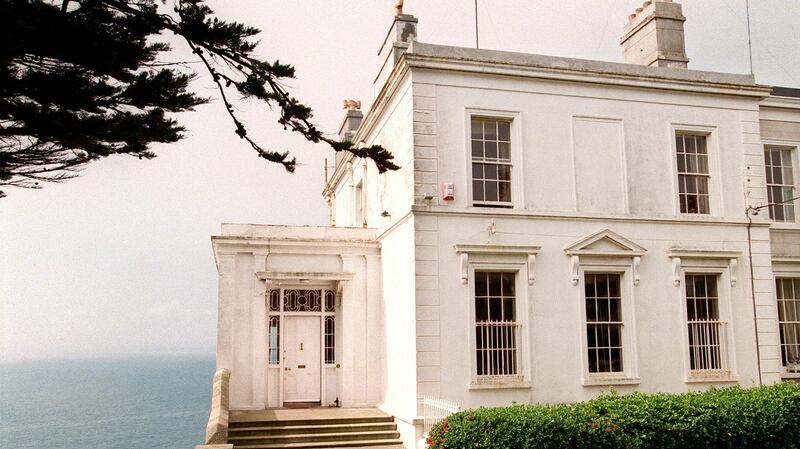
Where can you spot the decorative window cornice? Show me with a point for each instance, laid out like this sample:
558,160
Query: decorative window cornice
527,251
604,243
678,255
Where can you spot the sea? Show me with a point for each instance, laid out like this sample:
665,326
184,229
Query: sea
112,403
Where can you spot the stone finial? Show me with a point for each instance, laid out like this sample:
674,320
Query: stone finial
398,8
352,105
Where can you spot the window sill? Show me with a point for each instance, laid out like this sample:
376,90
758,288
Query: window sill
711,378
499,385
784,226
791,376
593,381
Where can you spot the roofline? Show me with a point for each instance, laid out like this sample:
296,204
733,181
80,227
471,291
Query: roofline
442,57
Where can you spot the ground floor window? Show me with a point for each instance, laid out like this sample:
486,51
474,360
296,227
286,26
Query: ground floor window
603,322
788,293
706,331
496,326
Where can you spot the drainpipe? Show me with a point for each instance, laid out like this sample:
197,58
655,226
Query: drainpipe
754,211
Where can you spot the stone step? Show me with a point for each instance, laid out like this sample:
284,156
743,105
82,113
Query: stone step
309,429
364,444
310,421
315,438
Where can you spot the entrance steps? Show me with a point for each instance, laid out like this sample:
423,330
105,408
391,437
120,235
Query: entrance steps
313,428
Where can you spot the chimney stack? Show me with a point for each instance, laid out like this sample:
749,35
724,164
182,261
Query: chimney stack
402,31
654,35
350,124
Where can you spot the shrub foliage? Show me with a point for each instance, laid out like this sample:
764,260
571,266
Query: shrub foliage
762,417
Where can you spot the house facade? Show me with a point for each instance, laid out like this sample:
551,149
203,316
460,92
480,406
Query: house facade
557,227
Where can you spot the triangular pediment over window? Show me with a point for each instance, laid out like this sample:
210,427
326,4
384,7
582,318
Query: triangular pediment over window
604,243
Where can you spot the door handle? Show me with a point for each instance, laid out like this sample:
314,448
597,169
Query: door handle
301,366
287,369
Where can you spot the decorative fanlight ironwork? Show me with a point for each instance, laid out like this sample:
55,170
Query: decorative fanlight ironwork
274,300
330,300
302,301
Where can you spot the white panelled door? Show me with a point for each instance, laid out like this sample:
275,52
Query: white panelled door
301,372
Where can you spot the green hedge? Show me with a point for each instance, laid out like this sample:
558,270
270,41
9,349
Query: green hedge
756,418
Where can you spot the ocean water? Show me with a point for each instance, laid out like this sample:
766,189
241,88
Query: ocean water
125,403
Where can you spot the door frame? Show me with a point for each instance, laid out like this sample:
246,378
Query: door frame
324,287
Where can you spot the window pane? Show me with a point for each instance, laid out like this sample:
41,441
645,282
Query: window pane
481,309
504,172
495,284
504,131
490,171
504,151
504,191
491,191
689,143
477,129
481,284
477,190
491,150
490,130
477,149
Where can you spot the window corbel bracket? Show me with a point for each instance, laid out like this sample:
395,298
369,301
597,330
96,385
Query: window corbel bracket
676,271
531,265
733,263
464,268
636,261
576,263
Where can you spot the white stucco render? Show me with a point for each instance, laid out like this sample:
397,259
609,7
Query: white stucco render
594,189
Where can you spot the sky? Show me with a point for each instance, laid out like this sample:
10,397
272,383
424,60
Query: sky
118,262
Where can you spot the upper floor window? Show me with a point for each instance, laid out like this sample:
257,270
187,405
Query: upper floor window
496,327
491,162
788,292
780,183
693,174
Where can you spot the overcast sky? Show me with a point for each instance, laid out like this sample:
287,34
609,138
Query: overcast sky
119,261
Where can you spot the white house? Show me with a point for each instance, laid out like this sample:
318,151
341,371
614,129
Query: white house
557,227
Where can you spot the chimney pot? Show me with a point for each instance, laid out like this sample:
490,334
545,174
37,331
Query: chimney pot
646,4
632,16
638,10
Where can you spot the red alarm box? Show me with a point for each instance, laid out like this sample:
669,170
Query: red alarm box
448,191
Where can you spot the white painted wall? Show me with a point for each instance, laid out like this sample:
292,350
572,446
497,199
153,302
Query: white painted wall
397,274
557,123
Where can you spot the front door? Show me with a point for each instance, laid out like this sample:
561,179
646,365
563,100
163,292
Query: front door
301,363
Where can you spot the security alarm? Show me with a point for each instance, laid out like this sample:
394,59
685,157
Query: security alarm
448,191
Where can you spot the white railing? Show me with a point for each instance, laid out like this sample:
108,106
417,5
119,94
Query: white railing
435,410
708,348
790,345
497,349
